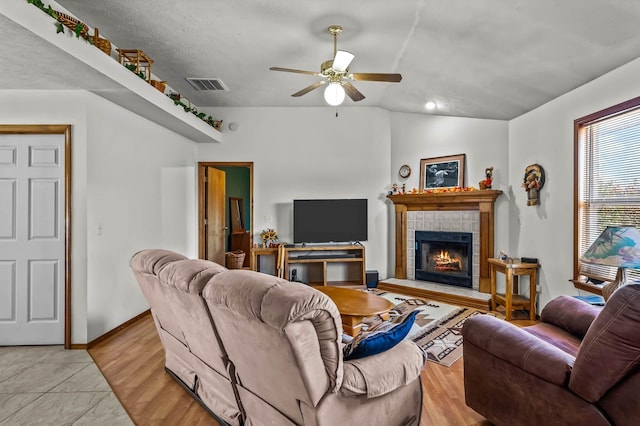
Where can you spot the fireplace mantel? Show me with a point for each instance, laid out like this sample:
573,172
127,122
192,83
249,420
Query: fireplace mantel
483,201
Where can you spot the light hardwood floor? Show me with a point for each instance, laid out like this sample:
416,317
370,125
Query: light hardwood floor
132,361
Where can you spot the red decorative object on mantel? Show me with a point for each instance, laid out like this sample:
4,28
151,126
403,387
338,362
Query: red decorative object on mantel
488,180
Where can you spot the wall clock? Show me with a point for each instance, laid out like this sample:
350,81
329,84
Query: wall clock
405,171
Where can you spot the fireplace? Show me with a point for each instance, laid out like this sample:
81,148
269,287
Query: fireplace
444,257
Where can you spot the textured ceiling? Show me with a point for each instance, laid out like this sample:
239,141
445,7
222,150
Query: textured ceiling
483,58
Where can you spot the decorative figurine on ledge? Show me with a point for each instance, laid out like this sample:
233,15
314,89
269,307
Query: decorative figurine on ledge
533,182
505,257
486,183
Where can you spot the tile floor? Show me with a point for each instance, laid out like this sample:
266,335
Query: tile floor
48,385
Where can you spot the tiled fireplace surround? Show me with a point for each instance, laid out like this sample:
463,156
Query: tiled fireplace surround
471,211
454,221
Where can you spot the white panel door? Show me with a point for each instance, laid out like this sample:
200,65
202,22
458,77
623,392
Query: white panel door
32,240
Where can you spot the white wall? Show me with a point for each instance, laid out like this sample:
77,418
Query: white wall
135,178
139,180
310,153
484,143
62,107
141,193
545,136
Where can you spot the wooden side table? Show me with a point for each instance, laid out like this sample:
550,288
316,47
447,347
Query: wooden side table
511,299
256,252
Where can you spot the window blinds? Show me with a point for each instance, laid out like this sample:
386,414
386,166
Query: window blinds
609,187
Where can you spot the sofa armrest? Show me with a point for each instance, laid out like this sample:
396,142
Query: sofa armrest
382,373
570,314
519,348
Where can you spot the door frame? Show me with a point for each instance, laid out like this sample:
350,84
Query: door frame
56,129
202,173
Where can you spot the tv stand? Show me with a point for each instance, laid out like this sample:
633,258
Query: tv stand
326,256
322,256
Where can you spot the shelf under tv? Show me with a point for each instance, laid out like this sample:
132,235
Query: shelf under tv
324,255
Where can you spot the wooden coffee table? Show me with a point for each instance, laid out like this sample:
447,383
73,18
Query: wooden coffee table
355,305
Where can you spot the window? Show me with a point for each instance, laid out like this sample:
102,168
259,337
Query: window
607,152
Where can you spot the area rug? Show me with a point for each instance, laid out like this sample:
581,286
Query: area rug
437,329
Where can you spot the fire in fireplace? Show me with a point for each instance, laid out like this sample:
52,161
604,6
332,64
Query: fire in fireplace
443,262
444,257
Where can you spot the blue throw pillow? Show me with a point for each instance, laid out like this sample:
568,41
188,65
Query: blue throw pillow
380,338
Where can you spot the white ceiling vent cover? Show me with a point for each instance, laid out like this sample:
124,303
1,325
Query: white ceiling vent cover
210,84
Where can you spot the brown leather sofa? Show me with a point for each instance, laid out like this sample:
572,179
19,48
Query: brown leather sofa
579,366
254,349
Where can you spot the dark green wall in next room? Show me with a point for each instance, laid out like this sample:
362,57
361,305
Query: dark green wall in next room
238,185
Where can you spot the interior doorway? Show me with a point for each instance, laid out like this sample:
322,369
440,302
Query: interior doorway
35,234
225,209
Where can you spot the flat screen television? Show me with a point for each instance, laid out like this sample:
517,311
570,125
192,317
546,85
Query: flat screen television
325,221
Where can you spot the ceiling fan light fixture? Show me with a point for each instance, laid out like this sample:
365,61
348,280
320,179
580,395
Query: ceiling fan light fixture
342,60
334,94
336,75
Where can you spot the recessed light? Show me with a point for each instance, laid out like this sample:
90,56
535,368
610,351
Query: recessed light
430,105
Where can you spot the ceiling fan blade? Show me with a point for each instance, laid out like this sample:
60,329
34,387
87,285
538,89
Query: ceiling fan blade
294,70
367,76
309,88
352,92
342,60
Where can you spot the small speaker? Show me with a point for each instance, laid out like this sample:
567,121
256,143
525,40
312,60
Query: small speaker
372,279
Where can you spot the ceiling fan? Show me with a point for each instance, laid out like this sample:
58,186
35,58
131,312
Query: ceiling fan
336,75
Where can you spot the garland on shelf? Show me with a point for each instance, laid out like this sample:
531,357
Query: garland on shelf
78,29
81,31
48,10
176,98
134,69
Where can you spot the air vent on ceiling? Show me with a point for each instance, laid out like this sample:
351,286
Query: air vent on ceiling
214,84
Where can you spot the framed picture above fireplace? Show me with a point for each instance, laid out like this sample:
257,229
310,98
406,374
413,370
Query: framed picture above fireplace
442,172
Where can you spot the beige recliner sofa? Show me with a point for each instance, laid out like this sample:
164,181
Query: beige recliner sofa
258,350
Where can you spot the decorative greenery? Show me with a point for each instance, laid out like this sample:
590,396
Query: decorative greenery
176,98
48,10
134,69
59,27
79,28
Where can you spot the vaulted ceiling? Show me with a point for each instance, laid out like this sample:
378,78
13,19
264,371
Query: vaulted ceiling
484,58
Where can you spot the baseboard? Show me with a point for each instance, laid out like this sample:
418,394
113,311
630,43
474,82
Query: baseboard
79,346
116,330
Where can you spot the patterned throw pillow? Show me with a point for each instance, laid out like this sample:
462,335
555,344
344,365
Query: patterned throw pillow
378,339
